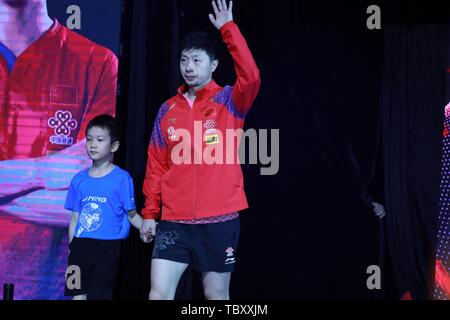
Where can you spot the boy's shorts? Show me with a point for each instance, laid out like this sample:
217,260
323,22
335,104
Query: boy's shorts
98,263
207,247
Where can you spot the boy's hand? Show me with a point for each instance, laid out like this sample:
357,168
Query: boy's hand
148,230
223,13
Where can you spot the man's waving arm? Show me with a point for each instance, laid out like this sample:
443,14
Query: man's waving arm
248,79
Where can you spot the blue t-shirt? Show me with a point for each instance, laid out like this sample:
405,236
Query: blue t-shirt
102,203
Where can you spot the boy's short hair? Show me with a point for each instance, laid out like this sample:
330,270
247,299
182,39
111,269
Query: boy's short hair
105,121
200,40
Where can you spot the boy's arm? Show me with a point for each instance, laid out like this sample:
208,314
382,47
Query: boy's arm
137,222
248,79
135,219
72,225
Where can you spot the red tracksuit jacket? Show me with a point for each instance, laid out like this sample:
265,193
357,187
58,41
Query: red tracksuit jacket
195,188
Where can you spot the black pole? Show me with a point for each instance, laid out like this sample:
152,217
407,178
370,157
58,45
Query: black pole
8,291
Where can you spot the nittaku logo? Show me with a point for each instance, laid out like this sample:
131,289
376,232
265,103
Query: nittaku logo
62,124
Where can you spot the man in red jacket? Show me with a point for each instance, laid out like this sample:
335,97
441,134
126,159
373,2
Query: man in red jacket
201,199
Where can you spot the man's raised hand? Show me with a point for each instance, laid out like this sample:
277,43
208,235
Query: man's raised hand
222,13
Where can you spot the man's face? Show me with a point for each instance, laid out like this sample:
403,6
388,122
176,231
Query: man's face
196,68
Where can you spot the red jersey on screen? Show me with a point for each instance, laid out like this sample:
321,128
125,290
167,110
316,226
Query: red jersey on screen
56,86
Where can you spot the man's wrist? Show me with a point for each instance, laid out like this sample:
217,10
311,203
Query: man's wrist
226,24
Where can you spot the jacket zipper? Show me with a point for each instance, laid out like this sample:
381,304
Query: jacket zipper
192,135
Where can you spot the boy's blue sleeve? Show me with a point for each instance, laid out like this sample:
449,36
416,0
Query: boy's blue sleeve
72,199
128,194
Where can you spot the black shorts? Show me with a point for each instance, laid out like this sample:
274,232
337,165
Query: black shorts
95,263
207,247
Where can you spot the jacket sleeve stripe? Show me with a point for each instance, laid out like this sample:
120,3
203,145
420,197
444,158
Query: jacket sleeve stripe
157,138
225,97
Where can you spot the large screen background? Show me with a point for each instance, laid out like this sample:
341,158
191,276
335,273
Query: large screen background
48,94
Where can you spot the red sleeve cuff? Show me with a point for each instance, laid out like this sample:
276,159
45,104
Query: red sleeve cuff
227,26
149,215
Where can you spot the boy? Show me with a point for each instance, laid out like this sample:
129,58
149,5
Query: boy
200,200
102,201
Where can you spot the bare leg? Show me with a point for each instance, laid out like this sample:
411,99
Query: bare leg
216,285
165,276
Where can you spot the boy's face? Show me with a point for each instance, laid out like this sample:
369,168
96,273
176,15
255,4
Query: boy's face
196,68
98,144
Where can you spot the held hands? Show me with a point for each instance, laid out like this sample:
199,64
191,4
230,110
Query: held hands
222,12
148,230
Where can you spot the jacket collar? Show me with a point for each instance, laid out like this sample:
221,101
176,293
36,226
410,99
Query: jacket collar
206,91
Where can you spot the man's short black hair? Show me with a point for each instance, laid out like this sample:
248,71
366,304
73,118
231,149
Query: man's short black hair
105,121
200,40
